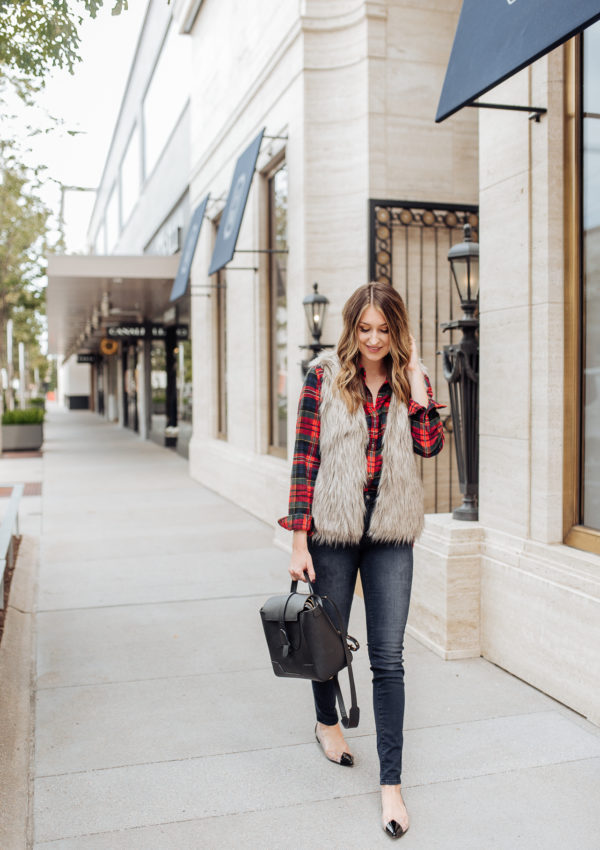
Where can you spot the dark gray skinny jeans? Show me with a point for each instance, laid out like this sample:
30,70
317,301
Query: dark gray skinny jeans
386,576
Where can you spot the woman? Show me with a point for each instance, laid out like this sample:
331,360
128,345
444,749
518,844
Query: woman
356,503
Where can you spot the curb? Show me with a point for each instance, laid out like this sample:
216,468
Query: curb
17,701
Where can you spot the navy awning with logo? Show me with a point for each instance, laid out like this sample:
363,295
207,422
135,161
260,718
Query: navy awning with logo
496,38
231,219
180,283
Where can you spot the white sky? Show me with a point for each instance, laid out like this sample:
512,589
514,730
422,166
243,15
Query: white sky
88,101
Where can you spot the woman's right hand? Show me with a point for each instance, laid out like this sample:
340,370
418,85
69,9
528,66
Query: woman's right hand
301,561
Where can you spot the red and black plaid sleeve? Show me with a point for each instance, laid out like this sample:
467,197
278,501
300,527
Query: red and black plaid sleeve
426,425
307,458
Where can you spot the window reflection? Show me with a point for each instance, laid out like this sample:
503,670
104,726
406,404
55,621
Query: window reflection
278,200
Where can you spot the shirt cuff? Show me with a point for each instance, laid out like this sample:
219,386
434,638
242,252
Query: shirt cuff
296,522
415,408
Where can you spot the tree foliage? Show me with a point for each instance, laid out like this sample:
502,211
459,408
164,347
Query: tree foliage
36,35
23,244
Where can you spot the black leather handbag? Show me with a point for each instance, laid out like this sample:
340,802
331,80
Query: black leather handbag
304,643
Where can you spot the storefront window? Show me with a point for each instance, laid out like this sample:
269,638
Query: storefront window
590,465
184,391
158,386
278,198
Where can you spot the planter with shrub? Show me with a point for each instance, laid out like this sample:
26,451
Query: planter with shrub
22,430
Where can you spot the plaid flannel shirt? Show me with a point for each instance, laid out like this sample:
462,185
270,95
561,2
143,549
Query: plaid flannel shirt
427,434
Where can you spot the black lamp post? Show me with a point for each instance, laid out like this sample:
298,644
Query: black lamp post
315,306
461,370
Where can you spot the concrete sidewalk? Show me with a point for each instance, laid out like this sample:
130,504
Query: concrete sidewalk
159,723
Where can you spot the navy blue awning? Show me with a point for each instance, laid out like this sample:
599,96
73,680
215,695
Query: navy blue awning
180,283
496,38
233,213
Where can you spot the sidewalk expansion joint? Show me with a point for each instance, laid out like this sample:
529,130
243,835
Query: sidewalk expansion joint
154,602
205,757
504,772
309,743
201,818
114,682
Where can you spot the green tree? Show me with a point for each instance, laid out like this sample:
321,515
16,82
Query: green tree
37,35
23,244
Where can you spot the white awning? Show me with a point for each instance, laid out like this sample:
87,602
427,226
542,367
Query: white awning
113,288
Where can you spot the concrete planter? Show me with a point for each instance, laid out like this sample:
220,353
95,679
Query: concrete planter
22,437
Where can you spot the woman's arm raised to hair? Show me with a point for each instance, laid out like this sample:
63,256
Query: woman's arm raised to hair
414,373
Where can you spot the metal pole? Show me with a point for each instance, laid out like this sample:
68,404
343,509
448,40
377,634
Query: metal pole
22,375
461,370
9,359
181,375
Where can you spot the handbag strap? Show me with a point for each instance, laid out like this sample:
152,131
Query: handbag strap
286,643
349,721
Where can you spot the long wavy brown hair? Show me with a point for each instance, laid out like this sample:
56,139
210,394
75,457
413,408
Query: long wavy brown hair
384,298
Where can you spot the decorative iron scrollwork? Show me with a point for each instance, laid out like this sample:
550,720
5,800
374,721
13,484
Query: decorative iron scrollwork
390,214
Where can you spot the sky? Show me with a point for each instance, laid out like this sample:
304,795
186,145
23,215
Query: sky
87,101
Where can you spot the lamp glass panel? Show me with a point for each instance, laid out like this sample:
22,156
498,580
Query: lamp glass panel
466,276
474,281
315,316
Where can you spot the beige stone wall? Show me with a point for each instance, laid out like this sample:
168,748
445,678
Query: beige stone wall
521,308
540,605
354,86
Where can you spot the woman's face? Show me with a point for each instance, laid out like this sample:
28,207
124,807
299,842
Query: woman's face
373,335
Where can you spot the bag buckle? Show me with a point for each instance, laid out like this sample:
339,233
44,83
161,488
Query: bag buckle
285,644
353,644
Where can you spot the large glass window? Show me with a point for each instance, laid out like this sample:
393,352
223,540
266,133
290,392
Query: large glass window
167,95
130,175
590,305
278,204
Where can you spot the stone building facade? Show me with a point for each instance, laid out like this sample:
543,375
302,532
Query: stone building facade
354,180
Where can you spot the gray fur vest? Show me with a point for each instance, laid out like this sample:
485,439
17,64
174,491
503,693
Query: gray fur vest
338,507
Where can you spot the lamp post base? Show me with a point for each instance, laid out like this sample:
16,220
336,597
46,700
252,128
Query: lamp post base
468,511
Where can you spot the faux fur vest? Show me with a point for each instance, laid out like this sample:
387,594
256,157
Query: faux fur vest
338,507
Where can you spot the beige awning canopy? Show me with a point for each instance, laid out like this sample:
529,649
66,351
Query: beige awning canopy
88,292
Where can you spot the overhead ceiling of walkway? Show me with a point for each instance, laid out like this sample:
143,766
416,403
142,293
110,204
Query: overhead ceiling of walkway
137,288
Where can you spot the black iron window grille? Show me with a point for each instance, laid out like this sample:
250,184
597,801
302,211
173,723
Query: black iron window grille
409,244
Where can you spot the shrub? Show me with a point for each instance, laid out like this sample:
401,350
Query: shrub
31,416
38,402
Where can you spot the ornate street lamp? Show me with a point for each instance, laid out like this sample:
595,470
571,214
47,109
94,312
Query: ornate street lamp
461,370
315,306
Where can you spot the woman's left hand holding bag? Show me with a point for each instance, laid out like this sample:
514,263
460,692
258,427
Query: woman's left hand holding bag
301,561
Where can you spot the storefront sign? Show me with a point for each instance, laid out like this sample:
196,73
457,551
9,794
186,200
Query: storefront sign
147,330
131,330
182,331
496,38
180,283
109,347
87,358
231,219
